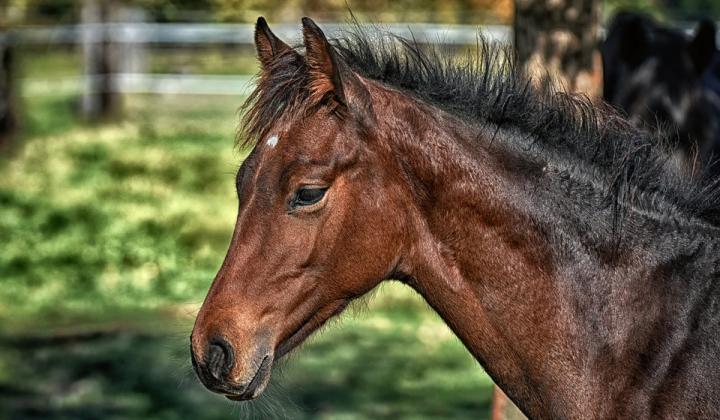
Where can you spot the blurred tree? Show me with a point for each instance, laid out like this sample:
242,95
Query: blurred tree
556,41
100,101
249,10
8,84
177,10
8,103
12,10
449,11
693,9
651,7
48,11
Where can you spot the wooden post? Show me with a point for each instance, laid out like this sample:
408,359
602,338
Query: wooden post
133,52
503,408
556,41
8,111
100,99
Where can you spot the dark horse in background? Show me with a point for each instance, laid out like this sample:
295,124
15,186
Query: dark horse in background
663,79
550,234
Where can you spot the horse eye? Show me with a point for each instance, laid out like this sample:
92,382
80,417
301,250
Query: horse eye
307,196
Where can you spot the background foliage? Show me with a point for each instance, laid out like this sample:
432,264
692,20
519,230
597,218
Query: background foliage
448,11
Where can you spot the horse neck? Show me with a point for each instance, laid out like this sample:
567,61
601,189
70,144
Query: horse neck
485,255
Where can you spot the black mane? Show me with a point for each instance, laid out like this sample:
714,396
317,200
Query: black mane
486,88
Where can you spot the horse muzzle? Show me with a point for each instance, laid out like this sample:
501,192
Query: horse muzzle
220,370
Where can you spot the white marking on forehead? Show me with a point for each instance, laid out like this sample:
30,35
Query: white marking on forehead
272,141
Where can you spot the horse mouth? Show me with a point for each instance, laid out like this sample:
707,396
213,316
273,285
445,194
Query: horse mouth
309,325
261,378
257,384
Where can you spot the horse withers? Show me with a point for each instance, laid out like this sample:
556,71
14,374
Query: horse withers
549,234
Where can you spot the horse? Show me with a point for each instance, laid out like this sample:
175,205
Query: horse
550,235
664,80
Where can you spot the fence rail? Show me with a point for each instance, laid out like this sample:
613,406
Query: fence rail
137,35
171,33
201,33
175,84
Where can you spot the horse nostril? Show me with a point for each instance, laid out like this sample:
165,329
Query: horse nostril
219,359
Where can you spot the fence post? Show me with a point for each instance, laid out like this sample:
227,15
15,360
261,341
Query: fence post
100,98
132,48
8,112
503,408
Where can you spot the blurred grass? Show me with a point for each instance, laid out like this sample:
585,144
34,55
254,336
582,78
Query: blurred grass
130,215
109,238
58,62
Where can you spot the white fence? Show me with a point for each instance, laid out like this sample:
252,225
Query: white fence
134,37
188,34
172,84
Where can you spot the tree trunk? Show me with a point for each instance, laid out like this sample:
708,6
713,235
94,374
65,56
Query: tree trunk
8,111
100,100
556,42
503,408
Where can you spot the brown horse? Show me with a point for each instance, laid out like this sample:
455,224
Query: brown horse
547,232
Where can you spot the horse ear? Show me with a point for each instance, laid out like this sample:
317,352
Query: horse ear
702,47
267,44
635,40
331,77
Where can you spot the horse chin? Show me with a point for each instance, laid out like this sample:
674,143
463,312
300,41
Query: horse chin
250,395
257,384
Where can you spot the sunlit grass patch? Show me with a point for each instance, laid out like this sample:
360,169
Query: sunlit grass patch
106,216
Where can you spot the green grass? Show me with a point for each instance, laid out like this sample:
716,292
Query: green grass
52,63
109,238
130,215
49,61
213,60
395,359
